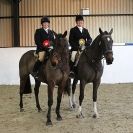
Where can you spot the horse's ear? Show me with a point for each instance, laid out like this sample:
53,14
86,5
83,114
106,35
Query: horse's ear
55,34
100,30
111,31
65,34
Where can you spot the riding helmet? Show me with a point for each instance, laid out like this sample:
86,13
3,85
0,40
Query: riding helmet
79,18
45,19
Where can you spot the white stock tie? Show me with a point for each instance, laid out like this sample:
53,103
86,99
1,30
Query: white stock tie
80,28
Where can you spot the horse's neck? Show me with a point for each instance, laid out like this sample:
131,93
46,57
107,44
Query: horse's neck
95,43
95,47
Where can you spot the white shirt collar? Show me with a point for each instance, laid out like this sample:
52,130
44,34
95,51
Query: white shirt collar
80,28
46,30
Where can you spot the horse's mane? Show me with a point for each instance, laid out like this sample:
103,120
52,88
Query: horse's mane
63,51
95,42
95,46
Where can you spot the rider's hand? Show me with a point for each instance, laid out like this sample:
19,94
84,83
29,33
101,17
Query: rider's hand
81,48
50,48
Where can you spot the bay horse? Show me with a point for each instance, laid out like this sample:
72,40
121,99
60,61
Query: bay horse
53,72
90,69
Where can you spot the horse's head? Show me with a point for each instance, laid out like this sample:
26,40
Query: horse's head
106,43
60,48
61,41
54,58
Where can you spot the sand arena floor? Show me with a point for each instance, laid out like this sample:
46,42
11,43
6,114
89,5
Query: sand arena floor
115,106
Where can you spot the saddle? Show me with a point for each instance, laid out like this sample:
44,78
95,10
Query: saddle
46,56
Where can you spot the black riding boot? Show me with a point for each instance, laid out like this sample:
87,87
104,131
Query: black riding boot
36,68
72,69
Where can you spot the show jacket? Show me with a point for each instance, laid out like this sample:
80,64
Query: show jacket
40,36
76,35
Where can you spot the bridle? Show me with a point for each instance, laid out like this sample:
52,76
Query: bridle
94,60
107,51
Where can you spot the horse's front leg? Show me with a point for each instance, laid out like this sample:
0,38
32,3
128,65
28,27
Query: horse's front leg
50,101
68,90
81,97
59,97
95,88
36,91
75,81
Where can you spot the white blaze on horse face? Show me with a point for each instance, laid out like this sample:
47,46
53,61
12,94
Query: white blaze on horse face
108,39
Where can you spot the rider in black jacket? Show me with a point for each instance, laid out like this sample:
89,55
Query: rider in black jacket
79,38
43,38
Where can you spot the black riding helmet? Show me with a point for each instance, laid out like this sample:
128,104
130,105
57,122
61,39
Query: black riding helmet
45,19
79,18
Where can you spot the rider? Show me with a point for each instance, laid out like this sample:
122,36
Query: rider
79,37
43,38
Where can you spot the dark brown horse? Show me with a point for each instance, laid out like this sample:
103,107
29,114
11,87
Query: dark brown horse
90,67
53,72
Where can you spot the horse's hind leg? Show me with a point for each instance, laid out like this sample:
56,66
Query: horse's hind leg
36,90
75,81
21,102
22,85
95,88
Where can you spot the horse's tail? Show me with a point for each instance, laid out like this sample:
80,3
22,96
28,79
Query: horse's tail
25,67
25,85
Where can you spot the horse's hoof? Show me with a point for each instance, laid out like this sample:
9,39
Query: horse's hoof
95,116
71,108
21,110
59,118
49,123
39,110
80,116
74,105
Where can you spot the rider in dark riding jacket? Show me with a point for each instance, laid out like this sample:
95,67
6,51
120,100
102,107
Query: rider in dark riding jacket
79,38
43,38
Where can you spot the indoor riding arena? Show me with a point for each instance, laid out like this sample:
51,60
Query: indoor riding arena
19,20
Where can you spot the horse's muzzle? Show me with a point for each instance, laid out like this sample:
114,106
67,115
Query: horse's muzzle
109,61
54,63
109,58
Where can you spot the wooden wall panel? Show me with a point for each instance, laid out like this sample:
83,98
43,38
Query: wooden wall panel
5,24
49,7
5,8
5,33
108,6
122,25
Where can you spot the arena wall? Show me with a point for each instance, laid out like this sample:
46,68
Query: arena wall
119,72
